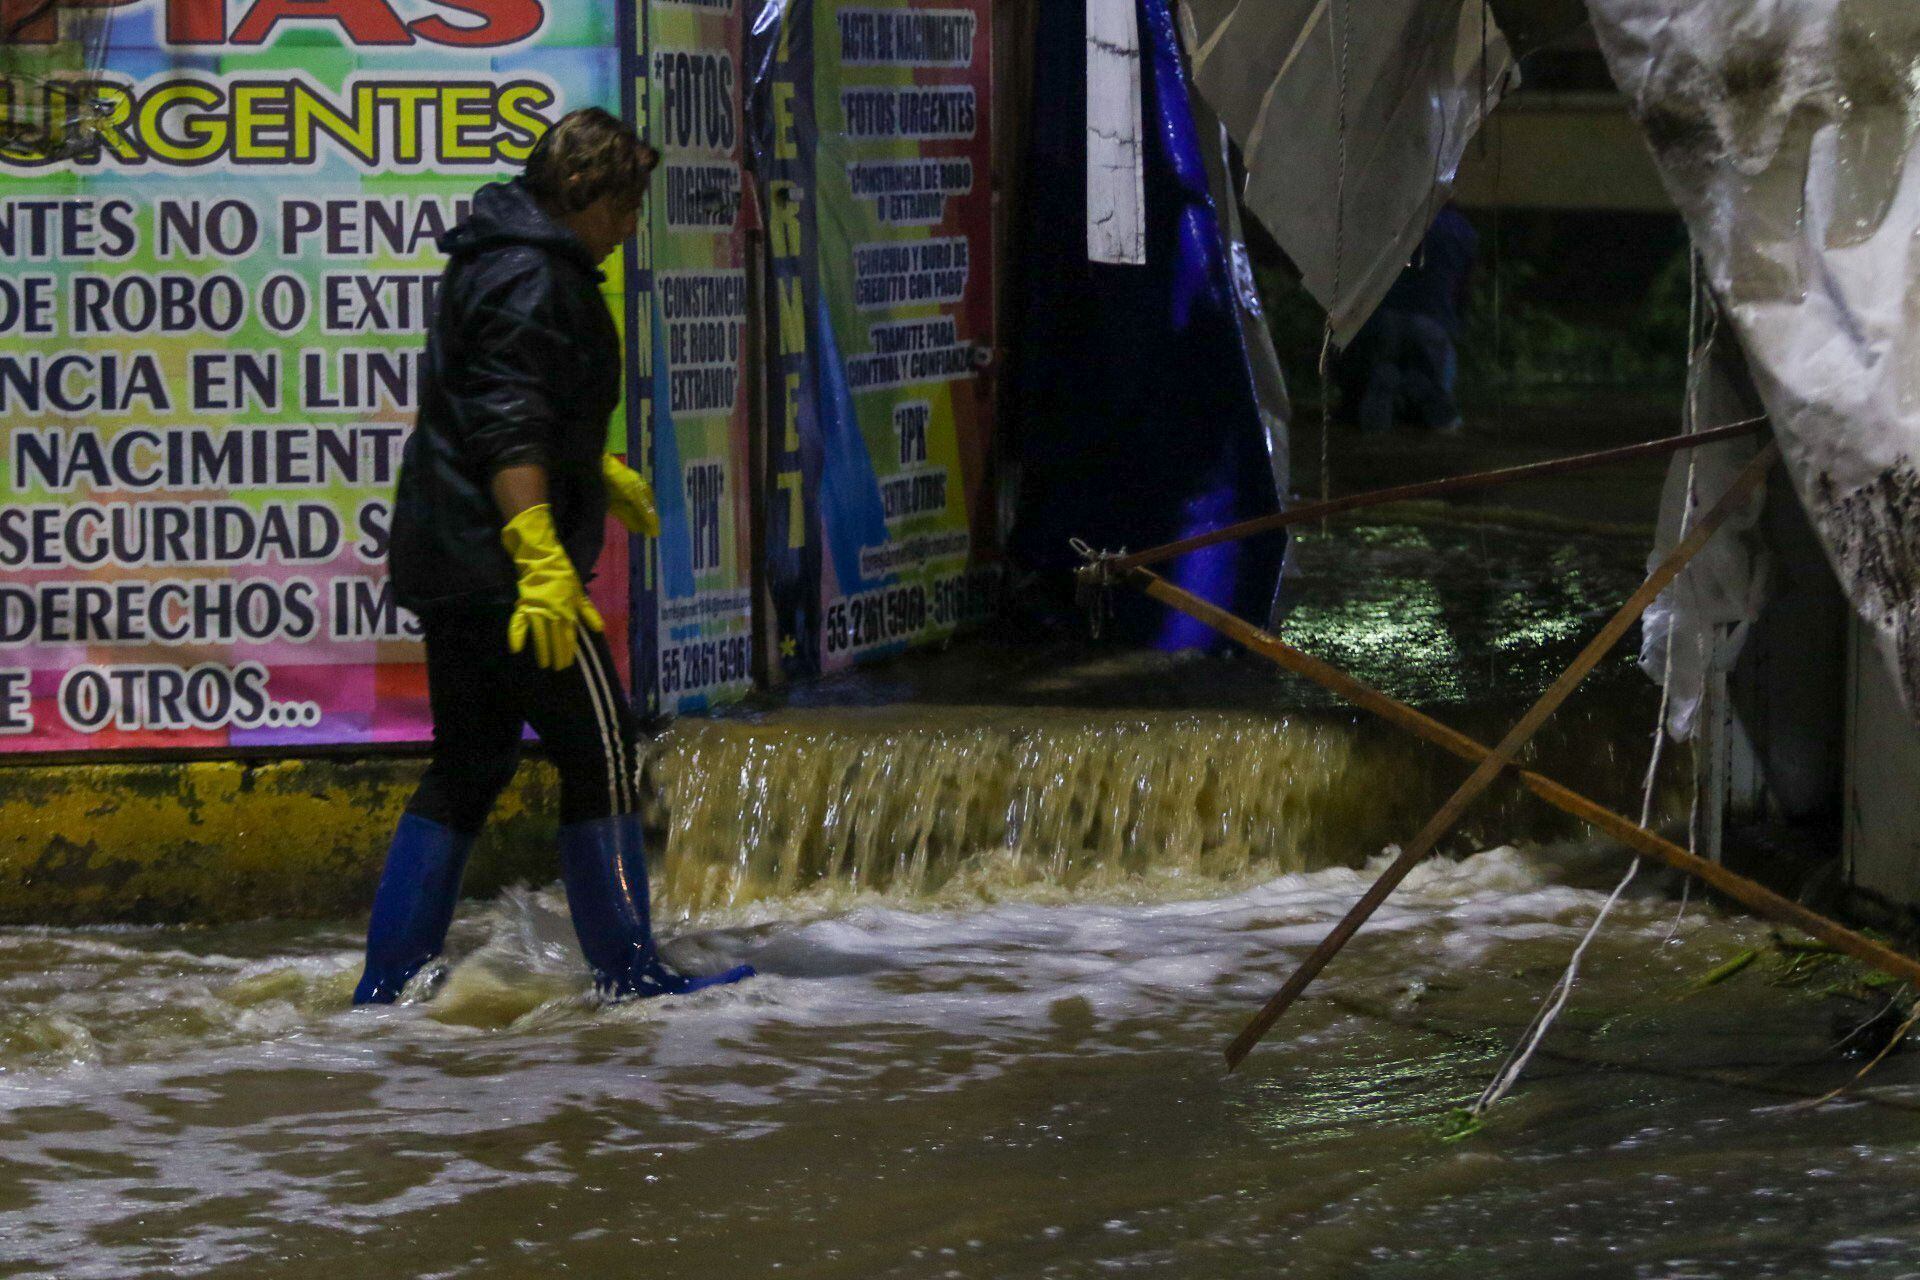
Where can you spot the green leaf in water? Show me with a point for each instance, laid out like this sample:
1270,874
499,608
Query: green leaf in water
1721,972
1460,1123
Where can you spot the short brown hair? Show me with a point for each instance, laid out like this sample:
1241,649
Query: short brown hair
589,154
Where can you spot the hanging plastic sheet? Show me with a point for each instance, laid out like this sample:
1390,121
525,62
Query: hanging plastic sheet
60,47
1353,117
1785,131
1272,400
1139,390
1698,626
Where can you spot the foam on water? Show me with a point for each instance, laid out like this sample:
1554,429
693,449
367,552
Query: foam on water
986,949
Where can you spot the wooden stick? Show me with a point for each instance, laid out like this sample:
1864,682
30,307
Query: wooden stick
1750,894
1425,489
1502,756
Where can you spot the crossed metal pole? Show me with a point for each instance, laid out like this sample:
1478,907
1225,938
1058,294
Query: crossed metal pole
1491,762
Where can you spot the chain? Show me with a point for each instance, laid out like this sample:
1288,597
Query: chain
1093,583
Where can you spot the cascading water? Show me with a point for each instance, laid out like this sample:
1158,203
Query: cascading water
917,802
759,811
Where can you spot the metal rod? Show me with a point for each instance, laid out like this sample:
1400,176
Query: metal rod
1502,756
1754,896
1425,489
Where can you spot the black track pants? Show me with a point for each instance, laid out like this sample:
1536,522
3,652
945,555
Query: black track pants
483,697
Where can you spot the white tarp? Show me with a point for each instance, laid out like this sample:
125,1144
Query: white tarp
1269,382
1352,116
1697,627
1785,131
1116,169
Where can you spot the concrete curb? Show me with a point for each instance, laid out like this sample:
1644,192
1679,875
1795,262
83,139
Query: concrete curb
219,841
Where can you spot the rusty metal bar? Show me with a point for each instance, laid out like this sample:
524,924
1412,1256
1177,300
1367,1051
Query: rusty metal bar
1754,896
1118,565
1502,756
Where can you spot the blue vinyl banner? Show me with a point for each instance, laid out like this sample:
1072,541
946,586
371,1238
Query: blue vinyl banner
1140,419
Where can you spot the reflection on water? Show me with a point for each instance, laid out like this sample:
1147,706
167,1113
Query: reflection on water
994,1081
1450,615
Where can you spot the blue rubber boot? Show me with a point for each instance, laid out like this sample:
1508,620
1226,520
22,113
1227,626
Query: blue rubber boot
413,907
604,866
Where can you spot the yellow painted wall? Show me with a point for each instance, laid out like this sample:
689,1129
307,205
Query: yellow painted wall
219,841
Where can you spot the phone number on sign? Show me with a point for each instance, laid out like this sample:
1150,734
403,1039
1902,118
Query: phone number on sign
705,664
900,613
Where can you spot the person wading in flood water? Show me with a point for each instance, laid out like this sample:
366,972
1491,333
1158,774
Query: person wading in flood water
504,492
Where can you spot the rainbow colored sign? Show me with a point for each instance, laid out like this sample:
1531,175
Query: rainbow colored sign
217,262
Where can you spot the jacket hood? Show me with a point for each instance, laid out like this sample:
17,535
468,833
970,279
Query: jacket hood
506,214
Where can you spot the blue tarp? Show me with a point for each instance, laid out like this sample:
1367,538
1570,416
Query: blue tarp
1135,419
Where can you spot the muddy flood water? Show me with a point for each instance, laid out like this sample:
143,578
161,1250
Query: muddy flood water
1001,949
964,1086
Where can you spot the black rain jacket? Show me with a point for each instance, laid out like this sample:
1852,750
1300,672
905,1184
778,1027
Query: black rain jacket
522,366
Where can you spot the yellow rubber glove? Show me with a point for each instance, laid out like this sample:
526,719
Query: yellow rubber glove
553,605
630,497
